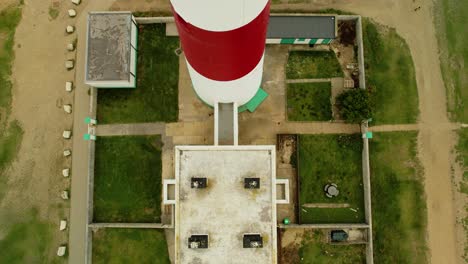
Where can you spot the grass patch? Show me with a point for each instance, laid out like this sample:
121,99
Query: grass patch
398,199
127,181
312,64
9,19
156,95
27,241
331,159
53,12
309,101
390,75
314,250
9,145
462,151
112,246
451,20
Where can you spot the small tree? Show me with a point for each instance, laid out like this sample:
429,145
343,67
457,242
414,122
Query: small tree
354,105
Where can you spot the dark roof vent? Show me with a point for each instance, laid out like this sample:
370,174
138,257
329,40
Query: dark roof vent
198,241
253,241
198,183
252,183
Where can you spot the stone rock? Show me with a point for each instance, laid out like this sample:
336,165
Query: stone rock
69,64
76,2
63,225
70,29
61,251
64,195
70,47
66,172
67,153
72,12
67,134
68,86
67,108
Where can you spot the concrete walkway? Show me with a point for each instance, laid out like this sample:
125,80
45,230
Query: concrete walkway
131,129
79,180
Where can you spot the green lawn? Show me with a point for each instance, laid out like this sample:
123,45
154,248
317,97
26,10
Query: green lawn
462,150
309,101
331,159
315,251
121,246
390,75
9,19
312,64
10,141
27,240
451,20
127,180
156,95
398,199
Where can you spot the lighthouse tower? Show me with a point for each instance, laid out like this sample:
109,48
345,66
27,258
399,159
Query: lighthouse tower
224,45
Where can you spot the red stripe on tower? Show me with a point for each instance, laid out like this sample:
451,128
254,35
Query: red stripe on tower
224,44
227,55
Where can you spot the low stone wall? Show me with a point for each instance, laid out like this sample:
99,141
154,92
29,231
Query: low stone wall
324,226
367,193
154,20
90,194
128,225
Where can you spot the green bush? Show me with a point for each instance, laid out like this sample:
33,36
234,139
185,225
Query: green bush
354,105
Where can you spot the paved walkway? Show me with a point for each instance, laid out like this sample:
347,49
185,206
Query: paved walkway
270,129
131,129
79,180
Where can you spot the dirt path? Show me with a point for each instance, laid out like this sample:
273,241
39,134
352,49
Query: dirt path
434,142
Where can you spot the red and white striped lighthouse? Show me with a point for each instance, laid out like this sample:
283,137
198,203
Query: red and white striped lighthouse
224,45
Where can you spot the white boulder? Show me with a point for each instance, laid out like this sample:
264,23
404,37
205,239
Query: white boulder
61,251
71,12
70,29
66,172
69,64
67,134
76,2
67,153
68,86
63,225
67,108
64,195
70,47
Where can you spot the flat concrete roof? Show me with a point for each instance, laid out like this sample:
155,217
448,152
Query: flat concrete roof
301,27
108,46
225,210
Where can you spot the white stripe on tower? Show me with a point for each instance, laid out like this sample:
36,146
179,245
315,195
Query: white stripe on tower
224,44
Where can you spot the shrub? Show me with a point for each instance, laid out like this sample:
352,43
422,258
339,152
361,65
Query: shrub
354,105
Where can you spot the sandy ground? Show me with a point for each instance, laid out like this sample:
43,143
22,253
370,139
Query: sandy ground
6,3
39,78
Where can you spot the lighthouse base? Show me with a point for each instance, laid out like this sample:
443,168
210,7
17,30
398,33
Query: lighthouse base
253,103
